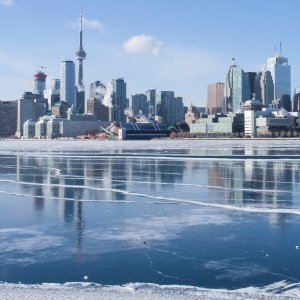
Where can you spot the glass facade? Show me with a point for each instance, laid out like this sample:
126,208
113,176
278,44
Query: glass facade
119,100
281,74
236,90
139,104
67,83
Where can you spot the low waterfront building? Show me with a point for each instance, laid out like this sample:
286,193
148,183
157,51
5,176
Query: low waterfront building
219,124
29,129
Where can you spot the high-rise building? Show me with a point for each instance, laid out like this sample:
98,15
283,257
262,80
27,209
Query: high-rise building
236,89
53,94
40,82
264,87
55,85
8,118
281,74
119,100
67,82
296,99
151,98
171,107
251,78
215,93
139,104
80,56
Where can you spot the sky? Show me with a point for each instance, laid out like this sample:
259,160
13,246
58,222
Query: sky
163,44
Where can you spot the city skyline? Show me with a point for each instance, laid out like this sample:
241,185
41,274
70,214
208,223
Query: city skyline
166,46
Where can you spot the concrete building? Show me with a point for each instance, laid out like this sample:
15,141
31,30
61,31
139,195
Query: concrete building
220,124
236,89
29,129
215,94
8,118
139,104
97,108
271,122
192,115
30,107
67,83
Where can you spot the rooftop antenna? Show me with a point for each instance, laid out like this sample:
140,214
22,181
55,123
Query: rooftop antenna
280,48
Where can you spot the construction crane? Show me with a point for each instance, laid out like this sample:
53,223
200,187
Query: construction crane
40,68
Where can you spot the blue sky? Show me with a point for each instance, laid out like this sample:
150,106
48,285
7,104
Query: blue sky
169,45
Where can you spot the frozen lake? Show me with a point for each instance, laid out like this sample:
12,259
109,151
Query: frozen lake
186,217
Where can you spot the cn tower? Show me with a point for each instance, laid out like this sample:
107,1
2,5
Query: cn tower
80,55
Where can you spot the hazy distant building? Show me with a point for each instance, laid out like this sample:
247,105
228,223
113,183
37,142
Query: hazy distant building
281,74
97,89
139,104
215,94
55,85
151,98
8,118
236,89
264,87
67,83
192,114
296,99
119,100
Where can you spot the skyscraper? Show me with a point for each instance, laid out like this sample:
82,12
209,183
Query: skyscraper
215,92
171,107
237,89
139,104
80,56
67,82
151,98
119,100
281,74
264,87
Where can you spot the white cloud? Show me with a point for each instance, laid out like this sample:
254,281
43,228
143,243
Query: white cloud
7,3
142,44
94,24
90,24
